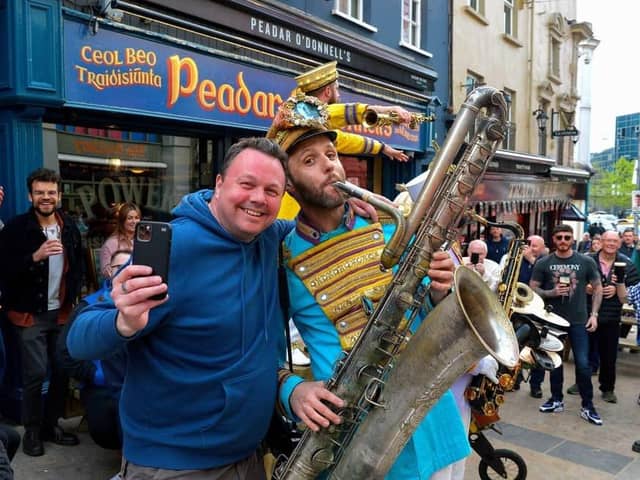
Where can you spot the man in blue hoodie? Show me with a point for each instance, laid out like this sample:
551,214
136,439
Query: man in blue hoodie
201,376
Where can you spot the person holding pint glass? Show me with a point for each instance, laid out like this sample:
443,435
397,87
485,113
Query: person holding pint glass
567,296
616,271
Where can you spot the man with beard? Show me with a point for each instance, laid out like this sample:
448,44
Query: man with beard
41,268
332,261
321,83
561,279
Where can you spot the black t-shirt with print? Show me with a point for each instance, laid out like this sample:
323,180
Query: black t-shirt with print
581,270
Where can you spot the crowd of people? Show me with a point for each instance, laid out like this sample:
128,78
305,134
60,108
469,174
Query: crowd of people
188,385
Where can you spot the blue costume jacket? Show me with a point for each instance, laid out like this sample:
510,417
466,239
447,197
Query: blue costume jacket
439,440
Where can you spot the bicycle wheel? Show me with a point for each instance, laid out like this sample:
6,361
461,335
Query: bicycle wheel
514,466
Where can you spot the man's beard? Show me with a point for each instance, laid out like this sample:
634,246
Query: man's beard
40,212
316,197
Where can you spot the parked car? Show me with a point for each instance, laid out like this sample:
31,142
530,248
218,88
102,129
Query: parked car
623,224
608,221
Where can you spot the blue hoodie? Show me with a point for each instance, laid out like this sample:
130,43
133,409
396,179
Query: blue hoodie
201,376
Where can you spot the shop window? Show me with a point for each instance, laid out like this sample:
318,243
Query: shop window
111,133
411,23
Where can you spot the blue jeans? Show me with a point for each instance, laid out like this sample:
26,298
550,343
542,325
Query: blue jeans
579,338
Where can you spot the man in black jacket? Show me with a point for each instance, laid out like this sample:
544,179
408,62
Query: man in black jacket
41,259
605,338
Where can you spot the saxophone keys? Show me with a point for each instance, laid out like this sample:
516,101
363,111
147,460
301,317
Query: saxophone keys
372,393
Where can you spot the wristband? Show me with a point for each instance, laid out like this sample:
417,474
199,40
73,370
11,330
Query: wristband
594,314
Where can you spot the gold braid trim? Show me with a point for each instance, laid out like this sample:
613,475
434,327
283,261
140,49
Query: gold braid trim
339,272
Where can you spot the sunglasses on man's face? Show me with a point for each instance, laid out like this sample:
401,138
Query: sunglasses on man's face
566,238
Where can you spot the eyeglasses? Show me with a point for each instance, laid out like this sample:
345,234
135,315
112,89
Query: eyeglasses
566,238
116,267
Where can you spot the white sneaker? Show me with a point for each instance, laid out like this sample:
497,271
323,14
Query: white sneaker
116,477
299,358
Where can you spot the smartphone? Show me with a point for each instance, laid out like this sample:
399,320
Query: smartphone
475,258
152,246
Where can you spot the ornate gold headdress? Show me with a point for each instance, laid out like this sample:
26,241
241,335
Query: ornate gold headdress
298,118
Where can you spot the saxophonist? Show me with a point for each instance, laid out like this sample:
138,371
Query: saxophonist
332,259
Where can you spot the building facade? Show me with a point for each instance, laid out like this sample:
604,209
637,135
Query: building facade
604,160
138,100
529,50
627,136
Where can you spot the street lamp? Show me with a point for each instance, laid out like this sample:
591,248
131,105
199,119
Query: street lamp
541,120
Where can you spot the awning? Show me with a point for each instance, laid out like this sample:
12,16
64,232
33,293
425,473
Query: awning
498,207
573,214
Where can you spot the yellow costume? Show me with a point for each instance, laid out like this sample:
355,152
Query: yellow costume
339,115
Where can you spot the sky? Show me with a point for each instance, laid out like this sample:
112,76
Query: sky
615,84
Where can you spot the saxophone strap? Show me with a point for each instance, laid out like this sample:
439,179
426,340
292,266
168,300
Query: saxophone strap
339,272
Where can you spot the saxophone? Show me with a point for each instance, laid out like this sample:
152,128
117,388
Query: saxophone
483,395
377,380
509,290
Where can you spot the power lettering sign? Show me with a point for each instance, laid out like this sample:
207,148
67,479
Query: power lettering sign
113,71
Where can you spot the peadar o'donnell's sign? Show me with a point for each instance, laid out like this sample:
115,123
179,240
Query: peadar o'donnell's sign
113,71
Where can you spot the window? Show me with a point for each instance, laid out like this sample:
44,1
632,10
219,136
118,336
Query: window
351,8
477,5
509,142
555,58
472,81
354,11
510,19
411,22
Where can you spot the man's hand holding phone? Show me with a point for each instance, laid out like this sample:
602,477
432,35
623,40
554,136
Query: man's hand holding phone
131,291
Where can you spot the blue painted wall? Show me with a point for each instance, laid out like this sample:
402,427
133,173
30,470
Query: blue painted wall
30,79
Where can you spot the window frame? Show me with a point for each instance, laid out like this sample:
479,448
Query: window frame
414,32
509,141
510,18
359,20
477,5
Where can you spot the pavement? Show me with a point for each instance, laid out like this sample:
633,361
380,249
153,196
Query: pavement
555,446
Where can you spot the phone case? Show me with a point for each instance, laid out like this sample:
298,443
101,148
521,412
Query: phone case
152,247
